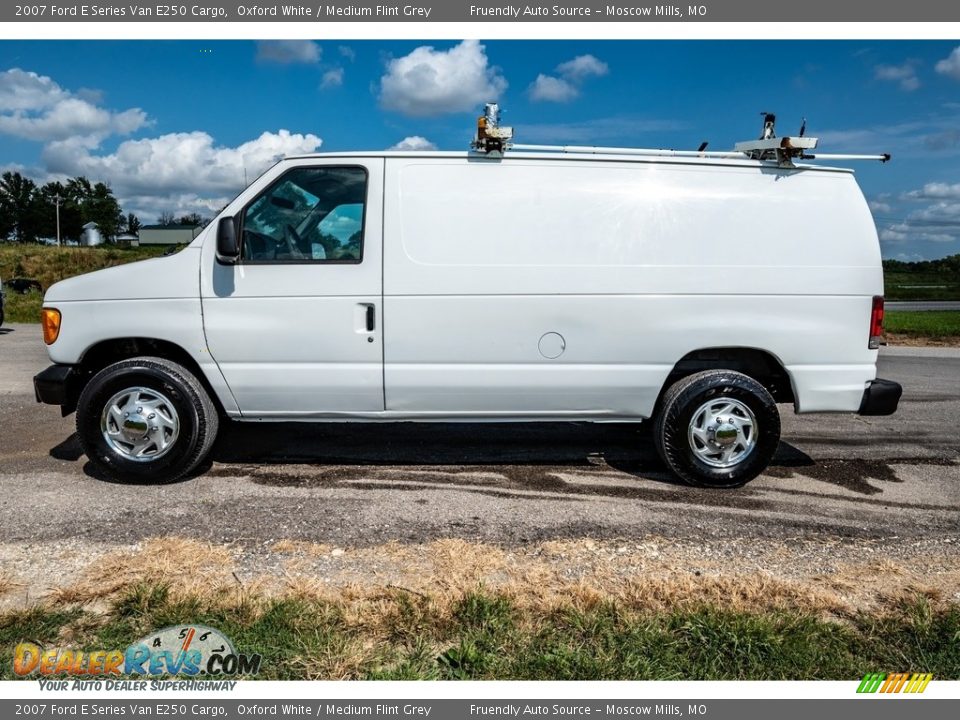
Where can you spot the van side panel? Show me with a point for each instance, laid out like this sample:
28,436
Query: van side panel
634,265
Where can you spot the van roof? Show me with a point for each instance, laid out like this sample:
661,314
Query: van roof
557,156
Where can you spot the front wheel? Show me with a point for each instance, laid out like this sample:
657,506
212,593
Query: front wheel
146,420
717,428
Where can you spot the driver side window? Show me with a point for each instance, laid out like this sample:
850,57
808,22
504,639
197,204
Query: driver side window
309,215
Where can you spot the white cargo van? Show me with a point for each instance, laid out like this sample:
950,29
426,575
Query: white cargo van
696,290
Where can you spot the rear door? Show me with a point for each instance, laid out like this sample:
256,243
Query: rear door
295,325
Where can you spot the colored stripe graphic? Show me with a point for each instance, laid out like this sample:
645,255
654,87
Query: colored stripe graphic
871,682
894,683
918,682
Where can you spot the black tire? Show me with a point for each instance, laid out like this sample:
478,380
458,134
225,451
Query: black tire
198,420
685,397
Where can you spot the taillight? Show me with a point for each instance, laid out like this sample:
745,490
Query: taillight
876,322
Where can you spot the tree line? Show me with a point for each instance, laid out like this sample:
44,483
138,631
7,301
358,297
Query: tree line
947,265
28,212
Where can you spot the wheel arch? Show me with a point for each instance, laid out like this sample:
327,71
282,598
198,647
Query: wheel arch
106,352
762,365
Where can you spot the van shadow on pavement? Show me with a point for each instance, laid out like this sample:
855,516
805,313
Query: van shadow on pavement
560,460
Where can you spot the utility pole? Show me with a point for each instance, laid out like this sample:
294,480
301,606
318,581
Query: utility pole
57,200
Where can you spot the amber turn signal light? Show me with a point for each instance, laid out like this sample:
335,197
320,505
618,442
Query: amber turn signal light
50,320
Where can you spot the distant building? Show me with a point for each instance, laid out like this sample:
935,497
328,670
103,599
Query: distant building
91,235
126,239
168,234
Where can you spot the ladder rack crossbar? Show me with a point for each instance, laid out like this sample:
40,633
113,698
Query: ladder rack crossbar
654,152
883,157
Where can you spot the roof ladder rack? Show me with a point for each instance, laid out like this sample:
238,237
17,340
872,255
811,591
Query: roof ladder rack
494,139
784,150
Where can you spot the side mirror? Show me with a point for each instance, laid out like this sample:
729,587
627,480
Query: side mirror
228,249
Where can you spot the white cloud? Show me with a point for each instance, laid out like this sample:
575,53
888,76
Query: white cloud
347,52
414,142
23,90
937,221
288,52
943,212
950,65
904,75
35,107
332,78
936,190
906,232
181,172
582,67
547,88
891,235
178,172
433,82
570,75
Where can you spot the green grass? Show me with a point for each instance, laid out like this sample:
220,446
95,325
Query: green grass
48,265
23,308
931,324
904,285
484,635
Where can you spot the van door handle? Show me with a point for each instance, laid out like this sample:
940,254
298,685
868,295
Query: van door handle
370,318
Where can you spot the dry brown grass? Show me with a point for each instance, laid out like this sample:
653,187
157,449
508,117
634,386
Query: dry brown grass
581,574
188,567
904,339
8,583
291,547
369,586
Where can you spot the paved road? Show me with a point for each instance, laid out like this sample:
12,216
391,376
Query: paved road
358,485
926,305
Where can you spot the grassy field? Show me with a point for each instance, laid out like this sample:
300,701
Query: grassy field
48,265
921,285
934,324
485,635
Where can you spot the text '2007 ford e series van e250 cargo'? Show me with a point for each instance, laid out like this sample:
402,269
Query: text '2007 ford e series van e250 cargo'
510,283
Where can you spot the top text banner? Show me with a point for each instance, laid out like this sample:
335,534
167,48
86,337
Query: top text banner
618,11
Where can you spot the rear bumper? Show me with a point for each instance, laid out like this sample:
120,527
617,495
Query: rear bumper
881,397
57,385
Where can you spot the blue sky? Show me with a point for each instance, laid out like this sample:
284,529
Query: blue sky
174,125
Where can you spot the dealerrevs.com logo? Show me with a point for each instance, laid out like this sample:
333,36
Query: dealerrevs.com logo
176,650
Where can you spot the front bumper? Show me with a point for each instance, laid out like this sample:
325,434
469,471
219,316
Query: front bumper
58,385
881,397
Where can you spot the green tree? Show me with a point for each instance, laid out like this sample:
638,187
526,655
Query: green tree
102,208
132,223
19,206
71,223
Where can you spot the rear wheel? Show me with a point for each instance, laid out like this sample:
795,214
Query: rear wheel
146,420
717,428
